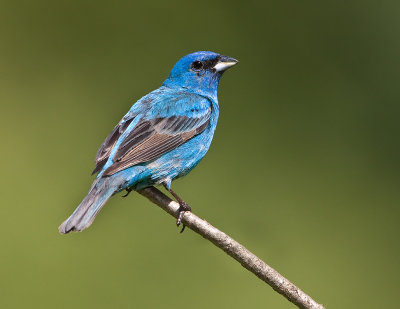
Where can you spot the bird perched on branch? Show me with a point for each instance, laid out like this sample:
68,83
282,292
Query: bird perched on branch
163,136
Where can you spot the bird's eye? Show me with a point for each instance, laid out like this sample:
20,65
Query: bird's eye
197,65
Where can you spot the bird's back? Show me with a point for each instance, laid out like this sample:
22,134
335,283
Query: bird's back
184,121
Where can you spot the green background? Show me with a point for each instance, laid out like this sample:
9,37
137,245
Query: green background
303,170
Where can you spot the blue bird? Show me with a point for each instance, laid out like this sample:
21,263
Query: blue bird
163,136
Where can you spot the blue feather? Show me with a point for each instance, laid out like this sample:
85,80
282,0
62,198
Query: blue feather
163,137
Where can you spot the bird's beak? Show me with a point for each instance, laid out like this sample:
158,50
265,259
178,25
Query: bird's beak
224,63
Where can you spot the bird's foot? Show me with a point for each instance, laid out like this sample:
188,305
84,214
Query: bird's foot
183,207
128,190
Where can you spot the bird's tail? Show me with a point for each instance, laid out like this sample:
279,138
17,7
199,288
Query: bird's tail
83,216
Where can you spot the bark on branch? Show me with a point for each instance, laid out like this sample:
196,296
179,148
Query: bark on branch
235,250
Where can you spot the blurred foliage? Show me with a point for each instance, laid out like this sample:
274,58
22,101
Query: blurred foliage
303,170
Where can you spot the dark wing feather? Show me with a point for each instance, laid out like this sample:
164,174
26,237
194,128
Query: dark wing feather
105,149
152,138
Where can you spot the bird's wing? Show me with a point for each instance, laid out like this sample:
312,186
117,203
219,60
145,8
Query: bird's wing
105,149
168,124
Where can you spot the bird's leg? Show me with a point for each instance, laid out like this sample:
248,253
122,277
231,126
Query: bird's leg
128,190
183,207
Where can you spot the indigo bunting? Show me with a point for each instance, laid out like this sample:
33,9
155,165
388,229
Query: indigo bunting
163,136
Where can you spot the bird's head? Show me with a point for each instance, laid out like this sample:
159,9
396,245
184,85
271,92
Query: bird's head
199,72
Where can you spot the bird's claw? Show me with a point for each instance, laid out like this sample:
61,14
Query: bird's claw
127,192
183,207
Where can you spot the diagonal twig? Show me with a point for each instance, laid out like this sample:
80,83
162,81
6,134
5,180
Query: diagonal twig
235,250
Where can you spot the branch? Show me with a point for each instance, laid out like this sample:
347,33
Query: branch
235,250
